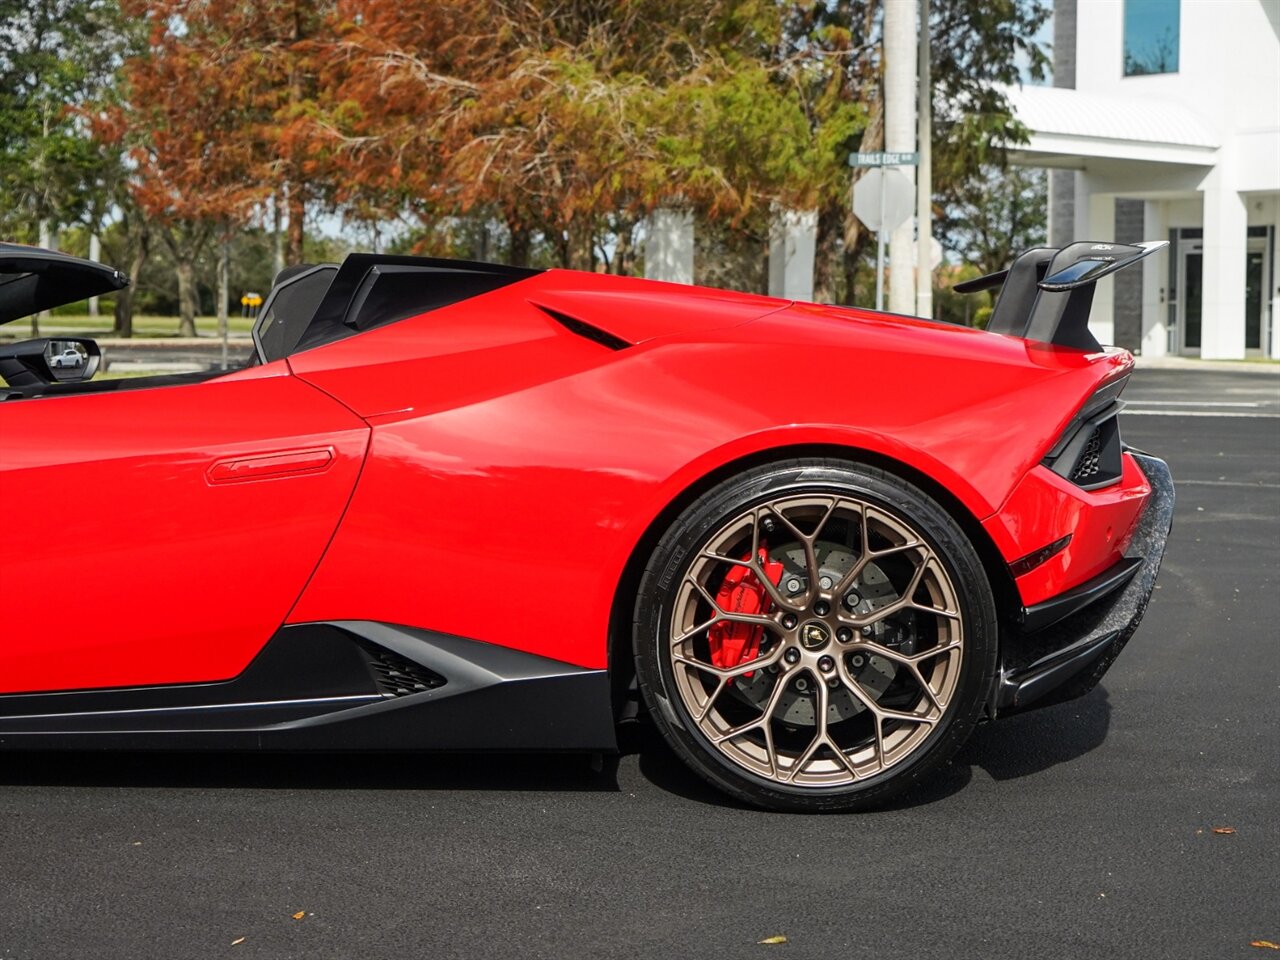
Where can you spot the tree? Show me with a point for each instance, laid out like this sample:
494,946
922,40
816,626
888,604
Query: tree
977,45
995,215
567,122
196,123
211,113
56,57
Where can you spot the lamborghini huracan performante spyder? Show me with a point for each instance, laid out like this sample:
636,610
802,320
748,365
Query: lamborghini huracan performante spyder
456,506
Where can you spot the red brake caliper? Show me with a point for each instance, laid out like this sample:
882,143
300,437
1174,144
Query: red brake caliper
731,642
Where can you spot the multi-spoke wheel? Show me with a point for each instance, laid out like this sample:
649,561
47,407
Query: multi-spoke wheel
815,635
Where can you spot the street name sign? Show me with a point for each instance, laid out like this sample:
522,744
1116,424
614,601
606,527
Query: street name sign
884,158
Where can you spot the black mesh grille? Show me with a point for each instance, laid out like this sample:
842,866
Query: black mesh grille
397,676
1090,461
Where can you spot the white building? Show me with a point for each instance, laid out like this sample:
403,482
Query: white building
1164,123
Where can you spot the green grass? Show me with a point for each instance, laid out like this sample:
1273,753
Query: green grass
143,326
128,374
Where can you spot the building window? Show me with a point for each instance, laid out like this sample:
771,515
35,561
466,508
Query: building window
1150,37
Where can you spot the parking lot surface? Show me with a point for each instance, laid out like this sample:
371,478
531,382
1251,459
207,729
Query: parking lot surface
1081,830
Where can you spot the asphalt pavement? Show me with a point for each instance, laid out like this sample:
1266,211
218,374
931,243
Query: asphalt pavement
1088,829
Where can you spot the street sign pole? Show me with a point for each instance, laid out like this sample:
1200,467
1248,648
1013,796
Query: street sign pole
881,159
880,232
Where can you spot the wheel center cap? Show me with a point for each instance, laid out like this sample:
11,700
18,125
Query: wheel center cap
815,634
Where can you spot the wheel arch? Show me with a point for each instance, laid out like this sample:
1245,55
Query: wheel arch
626,701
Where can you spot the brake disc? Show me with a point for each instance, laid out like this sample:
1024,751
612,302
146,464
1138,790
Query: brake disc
874,674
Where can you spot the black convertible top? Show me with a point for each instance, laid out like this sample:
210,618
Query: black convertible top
33,279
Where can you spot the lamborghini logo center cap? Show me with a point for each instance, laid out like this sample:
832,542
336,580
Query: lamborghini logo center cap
814,635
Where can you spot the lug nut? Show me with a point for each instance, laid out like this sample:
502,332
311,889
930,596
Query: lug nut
825,583
844,634
789,621
792,655
826,664
822,608
851,600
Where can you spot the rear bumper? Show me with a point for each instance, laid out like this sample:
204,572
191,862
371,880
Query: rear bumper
1061,647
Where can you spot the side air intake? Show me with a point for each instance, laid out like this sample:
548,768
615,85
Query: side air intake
397,676
1046,293
584,329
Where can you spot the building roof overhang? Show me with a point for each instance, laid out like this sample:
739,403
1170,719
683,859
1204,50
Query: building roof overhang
1068,127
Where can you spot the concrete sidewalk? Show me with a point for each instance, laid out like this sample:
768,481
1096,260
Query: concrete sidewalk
1195,363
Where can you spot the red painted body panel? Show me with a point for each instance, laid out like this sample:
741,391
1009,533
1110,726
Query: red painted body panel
1045,507
124,564
502,343
484,463
641,310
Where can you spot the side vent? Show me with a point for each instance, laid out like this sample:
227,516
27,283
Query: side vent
1090,457
397,676
1089,464
584,329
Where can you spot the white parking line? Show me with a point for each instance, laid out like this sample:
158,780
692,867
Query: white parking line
1201,413
1194,403
1226,483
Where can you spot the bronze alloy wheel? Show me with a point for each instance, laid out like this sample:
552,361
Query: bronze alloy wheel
816,640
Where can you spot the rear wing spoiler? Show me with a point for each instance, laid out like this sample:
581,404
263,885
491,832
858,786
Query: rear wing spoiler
1047,292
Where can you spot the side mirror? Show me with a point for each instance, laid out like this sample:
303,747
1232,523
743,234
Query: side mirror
71,360
37,362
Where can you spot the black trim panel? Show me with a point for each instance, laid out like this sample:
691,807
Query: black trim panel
313,688
307,662
1046,614
1032,683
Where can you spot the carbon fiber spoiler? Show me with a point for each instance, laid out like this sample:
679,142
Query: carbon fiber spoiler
1047,292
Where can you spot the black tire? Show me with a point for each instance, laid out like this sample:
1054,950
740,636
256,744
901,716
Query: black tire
689,533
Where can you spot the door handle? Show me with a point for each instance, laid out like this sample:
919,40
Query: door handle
269,466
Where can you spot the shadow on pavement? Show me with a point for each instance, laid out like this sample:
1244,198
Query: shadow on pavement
313,771
1026,744
1014,747
1011,748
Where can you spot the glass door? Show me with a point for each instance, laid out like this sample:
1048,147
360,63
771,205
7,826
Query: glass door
1190,293
1256,284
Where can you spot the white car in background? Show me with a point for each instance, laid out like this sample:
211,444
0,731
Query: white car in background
70,357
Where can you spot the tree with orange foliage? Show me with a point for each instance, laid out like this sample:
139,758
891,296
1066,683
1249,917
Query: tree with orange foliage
212,114
559,115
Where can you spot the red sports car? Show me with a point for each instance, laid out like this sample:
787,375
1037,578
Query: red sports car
458,506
